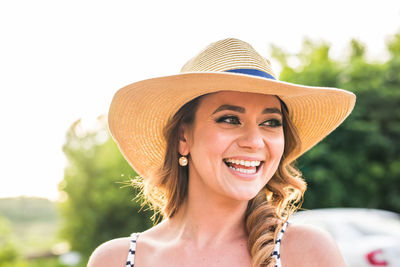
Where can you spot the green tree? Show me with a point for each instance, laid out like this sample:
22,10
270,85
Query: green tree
97,206
357,165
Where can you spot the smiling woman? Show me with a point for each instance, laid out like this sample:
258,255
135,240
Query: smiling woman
216,146
226,139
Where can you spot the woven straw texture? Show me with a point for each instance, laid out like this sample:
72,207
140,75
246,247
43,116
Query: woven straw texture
139,111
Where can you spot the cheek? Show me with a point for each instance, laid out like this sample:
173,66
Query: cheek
211,142
280,146
276,148
206,152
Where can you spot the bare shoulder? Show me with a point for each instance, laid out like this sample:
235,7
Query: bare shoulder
110,253
305,245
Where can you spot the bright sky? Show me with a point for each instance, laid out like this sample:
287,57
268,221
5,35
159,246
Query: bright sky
64,60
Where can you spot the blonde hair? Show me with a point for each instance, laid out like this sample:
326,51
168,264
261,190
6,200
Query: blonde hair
266,213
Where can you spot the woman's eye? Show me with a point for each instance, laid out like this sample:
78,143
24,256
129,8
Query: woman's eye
229,119
272,123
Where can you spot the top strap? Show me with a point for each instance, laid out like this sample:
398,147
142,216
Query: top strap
276,253
130,262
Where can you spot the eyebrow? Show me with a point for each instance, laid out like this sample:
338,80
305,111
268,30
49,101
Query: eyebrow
271,110
243,110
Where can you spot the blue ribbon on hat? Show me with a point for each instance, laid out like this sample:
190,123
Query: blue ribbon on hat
258,73
253,72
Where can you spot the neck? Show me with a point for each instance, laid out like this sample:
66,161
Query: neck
208,219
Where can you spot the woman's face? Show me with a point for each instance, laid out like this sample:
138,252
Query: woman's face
235,143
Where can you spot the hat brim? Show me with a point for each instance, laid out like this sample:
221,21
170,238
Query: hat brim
139,111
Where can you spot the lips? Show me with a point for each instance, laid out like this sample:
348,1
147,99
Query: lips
243,166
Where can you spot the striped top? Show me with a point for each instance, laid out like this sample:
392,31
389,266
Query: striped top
130,262
276,253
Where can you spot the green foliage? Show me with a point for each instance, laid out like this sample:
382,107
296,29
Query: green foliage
357,165
34,221
97,207
42,262
23,209
8,249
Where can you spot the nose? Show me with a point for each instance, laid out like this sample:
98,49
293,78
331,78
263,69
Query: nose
251,138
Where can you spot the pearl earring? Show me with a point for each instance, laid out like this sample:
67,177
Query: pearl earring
183,161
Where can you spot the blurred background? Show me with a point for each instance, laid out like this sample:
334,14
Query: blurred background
64,186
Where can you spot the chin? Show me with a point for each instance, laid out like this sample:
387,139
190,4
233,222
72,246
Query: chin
244,195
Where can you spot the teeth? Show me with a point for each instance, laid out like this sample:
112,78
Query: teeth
246,171
247,163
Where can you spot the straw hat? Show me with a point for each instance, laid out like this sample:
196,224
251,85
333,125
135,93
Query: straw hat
139,111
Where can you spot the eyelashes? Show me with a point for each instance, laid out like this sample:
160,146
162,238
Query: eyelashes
228,119
234,120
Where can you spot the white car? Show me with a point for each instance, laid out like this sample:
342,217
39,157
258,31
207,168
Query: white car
366,237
